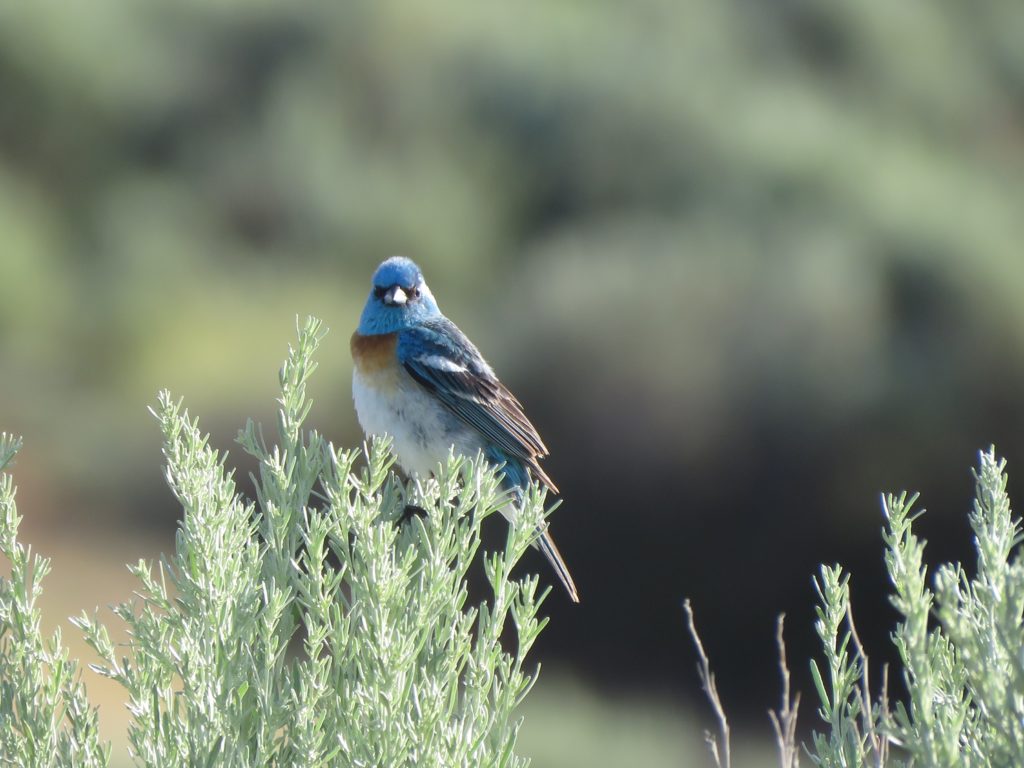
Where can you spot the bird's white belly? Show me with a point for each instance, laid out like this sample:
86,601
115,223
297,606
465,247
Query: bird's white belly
422,430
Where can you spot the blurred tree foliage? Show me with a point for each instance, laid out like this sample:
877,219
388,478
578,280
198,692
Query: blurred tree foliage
759,260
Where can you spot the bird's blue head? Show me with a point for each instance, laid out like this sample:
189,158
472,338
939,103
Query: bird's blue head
399,298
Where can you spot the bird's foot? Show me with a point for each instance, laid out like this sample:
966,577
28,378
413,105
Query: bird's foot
410,511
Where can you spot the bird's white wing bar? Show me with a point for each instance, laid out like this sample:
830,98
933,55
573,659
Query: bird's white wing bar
441,363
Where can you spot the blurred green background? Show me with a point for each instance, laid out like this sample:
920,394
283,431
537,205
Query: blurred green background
747,263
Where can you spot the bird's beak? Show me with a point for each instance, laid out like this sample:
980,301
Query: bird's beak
395,297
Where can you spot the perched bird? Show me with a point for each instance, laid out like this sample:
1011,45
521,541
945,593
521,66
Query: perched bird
419,379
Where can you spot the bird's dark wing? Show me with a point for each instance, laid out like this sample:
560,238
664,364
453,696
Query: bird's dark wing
441,359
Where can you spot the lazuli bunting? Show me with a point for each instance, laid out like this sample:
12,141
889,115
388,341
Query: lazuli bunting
419,379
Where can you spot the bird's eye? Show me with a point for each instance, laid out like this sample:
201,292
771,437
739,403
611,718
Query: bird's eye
379,292
414,292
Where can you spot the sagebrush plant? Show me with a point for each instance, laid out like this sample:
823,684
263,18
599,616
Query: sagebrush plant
960,644
45,717
317,625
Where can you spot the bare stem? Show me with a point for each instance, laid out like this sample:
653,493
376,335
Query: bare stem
878,743
784,720
719,745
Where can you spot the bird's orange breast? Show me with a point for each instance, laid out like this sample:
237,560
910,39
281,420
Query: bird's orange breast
375,355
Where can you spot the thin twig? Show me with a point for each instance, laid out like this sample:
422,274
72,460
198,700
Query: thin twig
883,703
879,744
719,746
784,720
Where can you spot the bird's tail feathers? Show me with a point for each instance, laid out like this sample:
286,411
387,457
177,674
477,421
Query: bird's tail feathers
547,545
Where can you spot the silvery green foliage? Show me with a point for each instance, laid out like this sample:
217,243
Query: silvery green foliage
960,646
840,706
959,642
319,625
45,717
